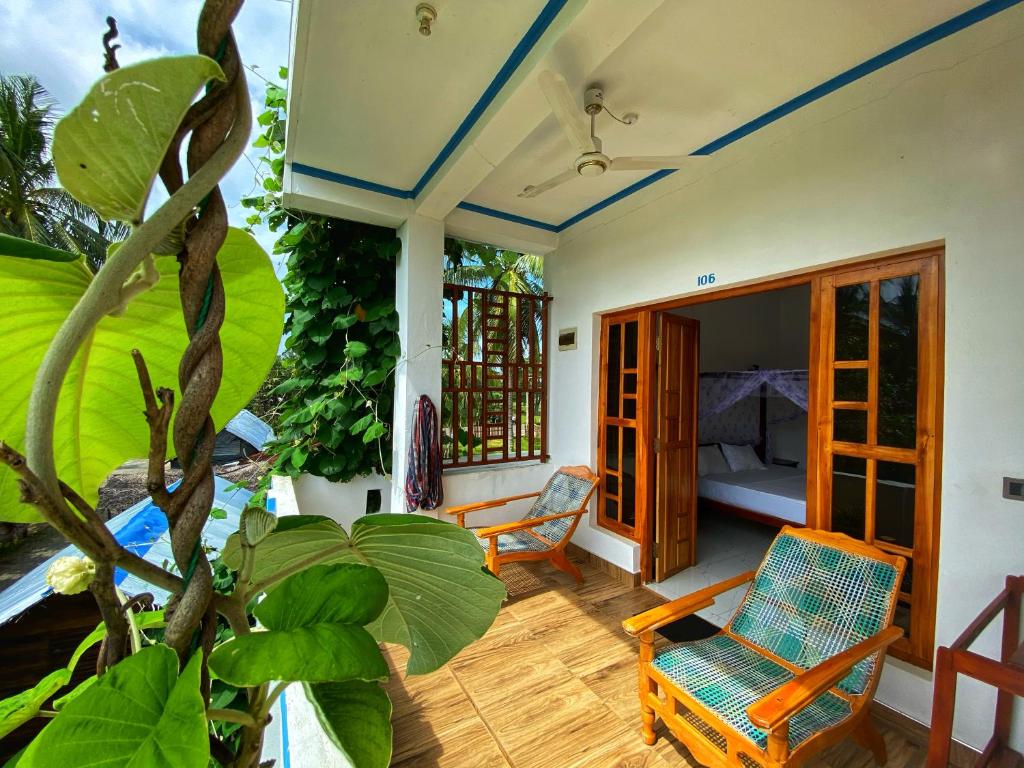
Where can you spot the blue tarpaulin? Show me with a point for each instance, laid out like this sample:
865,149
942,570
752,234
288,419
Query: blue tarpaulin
142,528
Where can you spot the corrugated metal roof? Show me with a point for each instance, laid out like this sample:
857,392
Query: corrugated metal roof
251,428
142,528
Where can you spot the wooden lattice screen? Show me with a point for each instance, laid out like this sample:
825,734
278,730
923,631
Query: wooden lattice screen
494,376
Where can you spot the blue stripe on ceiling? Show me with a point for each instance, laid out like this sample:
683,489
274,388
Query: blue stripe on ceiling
520,52
506,216
914,44
904,49
350,181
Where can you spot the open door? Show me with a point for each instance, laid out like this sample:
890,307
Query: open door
676,445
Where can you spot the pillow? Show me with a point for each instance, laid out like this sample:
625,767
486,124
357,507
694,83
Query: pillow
741,457
710,461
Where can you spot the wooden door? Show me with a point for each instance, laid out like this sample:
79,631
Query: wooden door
676,445
877,426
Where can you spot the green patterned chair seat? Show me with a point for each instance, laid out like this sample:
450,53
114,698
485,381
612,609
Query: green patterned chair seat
564,492
516,541
727,677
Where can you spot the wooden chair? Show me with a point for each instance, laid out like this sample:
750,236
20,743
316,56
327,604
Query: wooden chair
794,670
545,530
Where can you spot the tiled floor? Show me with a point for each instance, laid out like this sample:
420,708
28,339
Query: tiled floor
553,685
726,546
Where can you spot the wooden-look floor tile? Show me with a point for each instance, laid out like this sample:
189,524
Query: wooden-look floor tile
553,685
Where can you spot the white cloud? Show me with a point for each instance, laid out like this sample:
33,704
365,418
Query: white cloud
60,43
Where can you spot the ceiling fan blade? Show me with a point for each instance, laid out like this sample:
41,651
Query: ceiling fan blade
651,163
540,189
569,114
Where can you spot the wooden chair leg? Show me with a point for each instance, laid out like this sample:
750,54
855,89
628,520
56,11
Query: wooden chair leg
491,558
868,737
562,562
647,715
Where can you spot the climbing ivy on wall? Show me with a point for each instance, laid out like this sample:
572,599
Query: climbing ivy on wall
335,419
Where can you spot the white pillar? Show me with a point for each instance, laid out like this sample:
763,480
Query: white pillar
418,294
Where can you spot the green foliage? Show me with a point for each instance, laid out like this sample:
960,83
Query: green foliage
108,124
139,713
335,415
357,717
93,441
26,249
414,554
32,207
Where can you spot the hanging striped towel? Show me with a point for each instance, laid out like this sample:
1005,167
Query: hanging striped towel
423,475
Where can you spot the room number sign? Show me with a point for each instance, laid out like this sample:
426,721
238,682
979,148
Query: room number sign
705,279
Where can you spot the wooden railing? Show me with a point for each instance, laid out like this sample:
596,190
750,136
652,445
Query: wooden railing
494,376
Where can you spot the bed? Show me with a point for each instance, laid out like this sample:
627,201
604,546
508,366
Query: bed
774,495
744,408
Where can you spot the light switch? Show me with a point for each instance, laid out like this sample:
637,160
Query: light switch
1013,488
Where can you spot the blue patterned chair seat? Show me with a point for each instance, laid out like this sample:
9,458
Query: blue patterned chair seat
517,541
727,677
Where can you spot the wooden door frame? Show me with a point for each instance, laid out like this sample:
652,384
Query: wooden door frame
810,276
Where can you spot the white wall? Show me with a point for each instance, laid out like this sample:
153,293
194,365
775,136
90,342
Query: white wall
929,148
769,330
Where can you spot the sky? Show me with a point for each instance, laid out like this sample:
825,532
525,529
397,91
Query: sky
60,42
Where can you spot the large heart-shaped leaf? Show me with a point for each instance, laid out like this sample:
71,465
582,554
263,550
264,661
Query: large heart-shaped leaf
440,597
108,149
315,630
356,716
99,420
139,713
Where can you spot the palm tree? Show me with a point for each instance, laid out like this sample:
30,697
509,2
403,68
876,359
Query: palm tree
483,266
32,205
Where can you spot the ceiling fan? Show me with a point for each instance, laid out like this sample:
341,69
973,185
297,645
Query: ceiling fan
591,161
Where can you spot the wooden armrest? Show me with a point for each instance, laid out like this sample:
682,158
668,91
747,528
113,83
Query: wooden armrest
771,711
478,505
648,621
518,525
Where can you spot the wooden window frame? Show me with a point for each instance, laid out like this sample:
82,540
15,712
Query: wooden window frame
918,647
493,375
641,424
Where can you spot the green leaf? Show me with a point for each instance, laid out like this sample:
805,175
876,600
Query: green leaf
139,713
23,706
256,524
356,716
356,349
362,424
325,594
375,431
218,514
99,421
434,571
319,653
375,377
26,249
107,150
74,693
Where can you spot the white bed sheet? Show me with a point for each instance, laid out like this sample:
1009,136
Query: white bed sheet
775,491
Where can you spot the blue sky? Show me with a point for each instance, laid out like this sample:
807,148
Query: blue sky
60,43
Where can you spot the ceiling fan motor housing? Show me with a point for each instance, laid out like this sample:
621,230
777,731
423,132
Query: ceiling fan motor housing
593,100
592,163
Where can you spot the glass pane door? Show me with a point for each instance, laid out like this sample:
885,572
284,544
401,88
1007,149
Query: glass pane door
880,402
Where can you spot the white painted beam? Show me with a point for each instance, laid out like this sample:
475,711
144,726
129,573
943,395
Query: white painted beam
309,193
497,232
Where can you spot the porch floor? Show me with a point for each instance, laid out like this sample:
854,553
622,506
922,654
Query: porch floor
553,685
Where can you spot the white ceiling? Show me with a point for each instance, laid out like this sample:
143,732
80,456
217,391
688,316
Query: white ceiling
378,101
